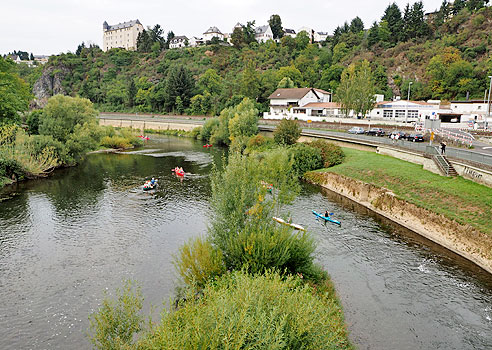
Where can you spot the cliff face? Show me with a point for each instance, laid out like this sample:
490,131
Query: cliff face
49,84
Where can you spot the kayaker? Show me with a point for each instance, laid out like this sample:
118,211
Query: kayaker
152,182
326,214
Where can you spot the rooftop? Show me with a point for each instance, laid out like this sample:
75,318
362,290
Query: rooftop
128,24
213,30
294,93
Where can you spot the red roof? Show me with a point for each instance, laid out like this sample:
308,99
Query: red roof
321,105
294,93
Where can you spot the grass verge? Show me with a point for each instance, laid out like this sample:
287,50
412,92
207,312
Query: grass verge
456,198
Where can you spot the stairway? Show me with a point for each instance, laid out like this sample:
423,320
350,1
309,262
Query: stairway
444,165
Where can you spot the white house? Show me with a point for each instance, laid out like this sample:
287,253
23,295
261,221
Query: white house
122,35
263,33
320,36
211,33
178,41
290,32
194,41
290,103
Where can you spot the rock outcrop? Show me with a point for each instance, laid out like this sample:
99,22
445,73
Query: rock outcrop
49,84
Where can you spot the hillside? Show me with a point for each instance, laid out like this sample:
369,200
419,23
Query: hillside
447,61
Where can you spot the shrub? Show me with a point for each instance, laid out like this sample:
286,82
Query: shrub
198,261
287,132
32,121
331,154
306,158
208,128
113,326
195,133
115,142
241,311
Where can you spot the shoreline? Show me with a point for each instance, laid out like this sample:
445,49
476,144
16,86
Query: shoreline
463,240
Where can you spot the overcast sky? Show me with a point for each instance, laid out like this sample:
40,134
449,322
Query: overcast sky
54,26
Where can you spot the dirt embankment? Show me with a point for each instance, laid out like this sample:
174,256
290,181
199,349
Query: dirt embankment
462,239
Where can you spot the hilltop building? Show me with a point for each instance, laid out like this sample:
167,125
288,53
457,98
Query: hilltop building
211,33
178,41
290,32
194,41
122,35
263,33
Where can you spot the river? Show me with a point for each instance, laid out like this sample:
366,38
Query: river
68,239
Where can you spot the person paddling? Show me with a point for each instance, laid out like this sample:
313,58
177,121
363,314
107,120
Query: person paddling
326,214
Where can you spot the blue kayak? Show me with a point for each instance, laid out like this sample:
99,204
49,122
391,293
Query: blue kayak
327,218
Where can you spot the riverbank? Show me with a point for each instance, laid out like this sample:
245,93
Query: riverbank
452,212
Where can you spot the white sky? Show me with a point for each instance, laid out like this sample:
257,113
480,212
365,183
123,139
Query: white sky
47,27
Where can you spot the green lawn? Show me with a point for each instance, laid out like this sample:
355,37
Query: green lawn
456,198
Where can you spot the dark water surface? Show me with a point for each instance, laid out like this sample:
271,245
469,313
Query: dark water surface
67,239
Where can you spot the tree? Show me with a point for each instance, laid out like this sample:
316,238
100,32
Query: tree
62,114
31,57
237,37
286,83
458,5
302,40
373,36
179,83
250,81
414,24
170,36
132,92
144,43
14,93
245,120
80,48
443,14
210,82
356,25
249,33
356,89
276,24
287,132
392,15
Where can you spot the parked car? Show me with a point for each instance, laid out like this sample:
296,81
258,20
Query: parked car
356,130
401,135
416,138
375,132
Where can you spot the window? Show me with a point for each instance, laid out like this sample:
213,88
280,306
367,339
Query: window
400,113
387,113
413,114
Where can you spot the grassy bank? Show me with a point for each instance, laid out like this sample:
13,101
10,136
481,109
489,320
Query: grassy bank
456,198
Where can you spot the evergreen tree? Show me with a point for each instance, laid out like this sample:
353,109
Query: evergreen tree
474,5
31,57
170,36
356,25
132,92
179,83
249,32
237,37
373,35
276,24
144,43
392,15
443,13
458,5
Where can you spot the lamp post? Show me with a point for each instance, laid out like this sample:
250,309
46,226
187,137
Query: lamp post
488,104
408,101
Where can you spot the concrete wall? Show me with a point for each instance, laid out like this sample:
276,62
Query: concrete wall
154,125
475,174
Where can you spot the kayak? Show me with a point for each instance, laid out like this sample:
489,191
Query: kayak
282,221
207,145
326,218
144,137
147,186
178,171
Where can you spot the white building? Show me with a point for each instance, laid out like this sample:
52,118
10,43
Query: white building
211,33
123,35
402,110
320,36
288,103
474,110
178,41
263,33
290,32
194,41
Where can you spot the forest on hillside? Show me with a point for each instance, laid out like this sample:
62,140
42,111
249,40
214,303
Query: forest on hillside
446,55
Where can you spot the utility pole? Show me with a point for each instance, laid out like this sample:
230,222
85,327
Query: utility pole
408,101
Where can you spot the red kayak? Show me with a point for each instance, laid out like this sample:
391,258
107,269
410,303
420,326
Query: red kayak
207,145
178,171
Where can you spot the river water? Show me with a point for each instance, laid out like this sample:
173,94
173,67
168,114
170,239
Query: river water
68,239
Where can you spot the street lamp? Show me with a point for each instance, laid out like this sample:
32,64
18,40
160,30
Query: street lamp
488,104
408,101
